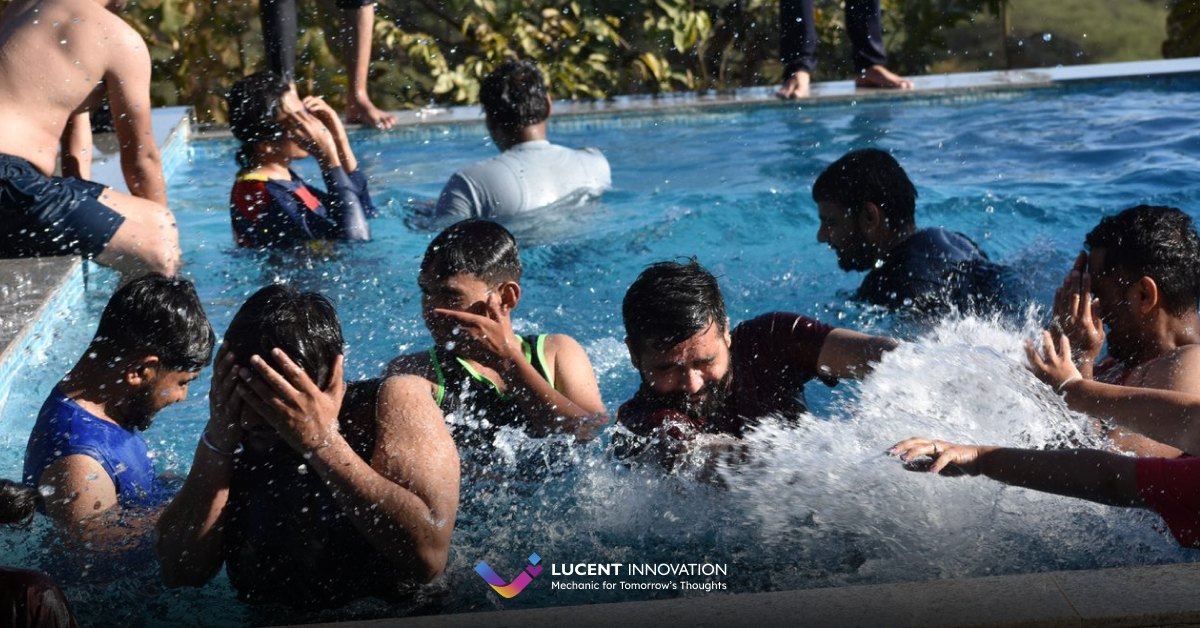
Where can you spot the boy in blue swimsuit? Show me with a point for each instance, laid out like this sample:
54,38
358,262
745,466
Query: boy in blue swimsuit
86,451
478,369
270,205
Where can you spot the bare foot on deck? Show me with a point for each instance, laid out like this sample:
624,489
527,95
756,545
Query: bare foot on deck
363,111
795,88
880,77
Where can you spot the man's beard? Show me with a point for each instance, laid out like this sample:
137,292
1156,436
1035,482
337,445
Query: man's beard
716,395
856,256
140,411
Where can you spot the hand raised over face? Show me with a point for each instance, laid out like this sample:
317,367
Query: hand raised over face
303,414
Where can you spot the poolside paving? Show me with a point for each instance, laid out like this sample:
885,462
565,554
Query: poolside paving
1110,598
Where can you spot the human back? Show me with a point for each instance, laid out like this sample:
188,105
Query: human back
56,57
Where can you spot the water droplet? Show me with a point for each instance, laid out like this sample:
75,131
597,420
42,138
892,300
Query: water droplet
1047,37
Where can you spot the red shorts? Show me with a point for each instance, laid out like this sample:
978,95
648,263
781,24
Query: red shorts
1172,488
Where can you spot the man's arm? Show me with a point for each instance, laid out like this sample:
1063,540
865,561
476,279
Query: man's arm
76,147
577,409
850,354
79,489
128,83
458,200
1089,474
1170,415
189,541
405,500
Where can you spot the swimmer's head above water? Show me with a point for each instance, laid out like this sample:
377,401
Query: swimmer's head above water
258,108
678,338
304,325
470,266
866,204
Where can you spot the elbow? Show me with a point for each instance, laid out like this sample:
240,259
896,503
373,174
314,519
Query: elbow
431,560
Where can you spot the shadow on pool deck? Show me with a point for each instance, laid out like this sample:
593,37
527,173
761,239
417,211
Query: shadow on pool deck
1141,596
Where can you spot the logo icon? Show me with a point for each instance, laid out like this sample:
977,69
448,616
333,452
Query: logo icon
518,584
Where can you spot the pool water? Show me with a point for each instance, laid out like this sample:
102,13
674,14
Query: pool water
1024,173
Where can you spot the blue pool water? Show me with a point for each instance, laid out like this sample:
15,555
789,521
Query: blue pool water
1024,173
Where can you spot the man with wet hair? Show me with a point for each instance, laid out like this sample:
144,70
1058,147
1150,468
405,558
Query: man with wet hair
530,172
479,369
311,490
867,204
1140,278
86,452
60,58
700,377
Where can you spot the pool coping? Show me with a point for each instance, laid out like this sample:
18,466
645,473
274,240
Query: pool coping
825,92
1166,595
1136,596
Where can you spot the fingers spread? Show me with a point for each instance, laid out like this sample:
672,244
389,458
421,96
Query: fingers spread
292,373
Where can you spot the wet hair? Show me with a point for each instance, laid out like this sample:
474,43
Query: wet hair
869,176
1156,242
159,316
480,248
304,325
254,102
514,95
671,302
18,502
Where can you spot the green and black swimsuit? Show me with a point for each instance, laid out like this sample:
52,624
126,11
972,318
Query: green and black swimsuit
475,408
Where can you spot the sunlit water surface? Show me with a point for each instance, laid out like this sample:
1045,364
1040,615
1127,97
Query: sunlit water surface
1026,174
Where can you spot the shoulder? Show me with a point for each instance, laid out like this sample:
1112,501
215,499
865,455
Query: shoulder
409,416
418,364
561,343
781,324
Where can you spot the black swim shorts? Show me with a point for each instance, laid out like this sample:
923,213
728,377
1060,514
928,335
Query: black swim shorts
42,216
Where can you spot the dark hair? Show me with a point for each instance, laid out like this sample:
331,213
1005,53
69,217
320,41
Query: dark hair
514,95
1156,242
671,302
254,102
17,502
159,316
477,247
305,325
869,176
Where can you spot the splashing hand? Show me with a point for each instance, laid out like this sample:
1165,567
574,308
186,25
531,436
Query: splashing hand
1055,368
1076,313
939,456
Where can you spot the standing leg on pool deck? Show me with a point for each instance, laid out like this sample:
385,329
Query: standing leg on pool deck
358,24
798,46
865,28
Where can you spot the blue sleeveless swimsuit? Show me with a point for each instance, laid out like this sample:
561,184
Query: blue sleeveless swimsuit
65,429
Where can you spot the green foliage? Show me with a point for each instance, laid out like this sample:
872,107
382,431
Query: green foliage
437,51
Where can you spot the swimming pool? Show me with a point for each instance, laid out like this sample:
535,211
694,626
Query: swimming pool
1026,174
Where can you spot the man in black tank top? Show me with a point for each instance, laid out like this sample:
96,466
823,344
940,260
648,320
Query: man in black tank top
310,490
482,375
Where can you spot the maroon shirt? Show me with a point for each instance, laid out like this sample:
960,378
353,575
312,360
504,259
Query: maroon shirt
771,358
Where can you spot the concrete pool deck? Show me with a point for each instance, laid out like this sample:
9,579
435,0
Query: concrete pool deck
1130,597
34,294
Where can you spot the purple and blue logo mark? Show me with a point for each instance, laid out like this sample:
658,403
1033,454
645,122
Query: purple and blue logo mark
518,584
